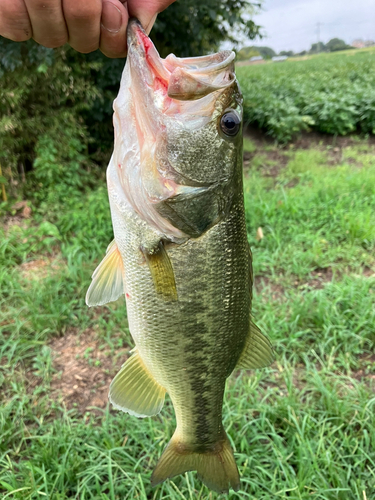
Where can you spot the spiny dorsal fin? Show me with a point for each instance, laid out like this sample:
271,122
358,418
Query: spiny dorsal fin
257,352
162,272
107,281
134,390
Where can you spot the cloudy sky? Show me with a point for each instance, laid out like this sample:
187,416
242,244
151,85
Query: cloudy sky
293,24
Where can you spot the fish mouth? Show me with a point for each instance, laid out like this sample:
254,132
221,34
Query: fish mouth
182,79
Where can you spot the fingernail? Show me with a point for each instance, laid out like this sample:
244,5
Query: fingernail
111,17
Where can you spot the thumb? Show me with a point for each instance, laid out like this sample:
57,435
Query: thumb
146,11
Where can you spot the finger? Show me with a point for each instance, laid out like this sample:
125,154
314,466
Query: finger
82,18
47,22
146,11
113,28
14,20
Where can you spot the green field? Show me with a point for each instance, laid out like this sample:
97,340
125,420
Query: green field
332,93
301,429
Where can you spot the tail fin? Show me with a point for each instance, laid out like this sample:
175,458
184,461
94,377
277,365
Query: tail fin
216,468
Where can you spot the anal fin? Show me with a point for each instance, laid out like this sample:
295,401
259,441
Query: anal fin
107,281
134,390
258,352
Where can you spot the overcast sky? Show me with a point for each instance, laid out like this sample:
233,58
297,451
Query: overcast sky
293,24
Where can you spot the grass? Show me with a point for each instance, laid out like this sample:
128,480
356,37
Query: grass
301,429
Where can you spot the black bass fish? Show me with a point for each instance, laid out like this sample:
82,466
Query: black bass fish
180,253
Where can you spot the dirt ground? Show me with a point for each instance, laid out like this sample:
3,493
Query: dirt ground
84,370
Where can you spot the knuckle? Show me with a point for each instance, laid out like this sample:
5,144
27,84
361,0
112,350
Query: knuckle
42,5
112,54
113,45
14,23
85,48
16,35
83,12
52,43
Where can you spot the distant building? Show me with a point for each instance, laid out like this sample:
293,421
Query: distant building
279,58
361,44
256,60
358,44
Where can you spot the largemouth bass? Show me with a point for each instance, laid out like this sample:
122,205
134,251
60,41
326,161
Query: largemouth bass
180,253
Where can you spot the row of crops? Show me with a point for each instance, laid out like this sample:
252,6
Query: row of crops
331,93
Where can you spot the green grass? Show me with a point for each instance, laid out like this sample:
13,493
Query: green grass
332,93
301,429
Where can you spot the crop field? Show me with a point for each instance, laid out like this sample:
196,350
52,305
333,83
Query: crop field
332,93
301,429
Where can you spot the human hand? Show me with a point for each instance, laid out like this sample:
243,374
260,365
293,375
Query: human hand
85,24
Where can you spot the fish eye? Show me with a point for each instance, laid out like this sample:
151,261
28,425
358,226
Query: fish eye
230,123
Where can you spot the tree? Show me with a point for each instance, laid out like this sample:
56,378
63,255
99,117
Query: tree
337,44
288,53
246,53
266,52
43,96
318,47
56,105
194,27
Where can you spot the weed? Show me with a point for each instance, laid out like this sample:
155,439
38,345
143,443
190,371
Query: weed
332,93
301,429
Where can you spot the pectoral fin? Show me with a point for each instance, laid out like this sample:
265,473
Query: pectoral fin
257,352
107,280
162,272
134,390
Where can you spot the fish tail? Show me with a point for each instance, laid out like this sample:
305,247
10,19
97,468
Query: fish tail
216,467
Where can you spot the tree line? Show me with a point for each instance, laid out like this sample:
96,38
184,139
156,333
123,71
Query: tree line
335,44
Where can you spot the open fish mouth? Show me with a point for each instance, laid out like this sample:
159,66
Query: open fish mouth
183,79
167,139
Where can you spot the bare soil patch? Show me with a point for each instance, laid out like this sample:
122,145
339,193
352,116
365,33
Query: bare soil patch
334,145
41,268
367,370
262,283
21,211
321,275
13,220
368,272
85,368
274,161
303,140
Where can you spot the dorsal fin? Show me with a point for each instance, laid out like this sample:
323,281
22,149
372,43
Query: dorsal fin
107,281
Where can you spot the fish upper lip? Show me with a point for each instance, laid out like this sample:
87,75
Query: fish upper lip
133,25
178,78
140,46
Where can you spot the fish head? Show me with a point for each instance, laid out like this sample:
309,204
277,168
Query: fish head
178,136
